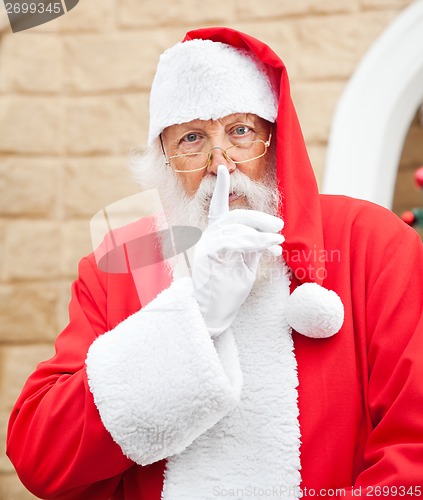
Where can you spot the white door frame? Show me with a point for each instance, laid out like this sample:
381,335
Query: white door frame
375,111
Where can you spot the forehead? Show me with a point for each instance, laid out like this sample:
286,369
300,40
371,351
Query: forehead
228,120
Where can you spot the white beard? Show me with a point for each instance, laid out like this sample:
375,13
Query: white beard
181,209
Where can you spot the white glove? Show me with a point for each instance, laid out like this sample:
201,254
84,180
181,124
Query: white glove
227,256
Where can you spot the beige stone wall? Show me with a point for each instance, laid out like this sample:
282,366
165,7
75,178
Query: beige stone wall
74,100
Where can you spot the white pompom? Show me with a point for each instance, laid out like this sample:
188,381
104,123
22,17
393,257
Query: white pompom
314,311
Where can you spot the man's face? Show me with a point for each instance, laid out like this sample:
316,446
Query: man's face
201,136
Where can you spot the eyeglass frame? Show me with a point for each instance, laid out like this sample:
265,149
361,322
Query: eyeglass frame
210,156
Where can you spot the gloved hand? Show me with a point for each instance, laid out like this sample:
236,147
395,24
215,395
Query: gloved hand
227,256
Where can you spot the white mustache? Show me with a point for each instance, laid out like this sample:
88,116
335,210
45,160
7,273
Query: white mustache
241,185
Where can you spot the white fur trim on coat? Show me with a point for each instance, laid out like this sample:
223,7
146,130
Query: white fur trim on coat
254,449
157,379
201,79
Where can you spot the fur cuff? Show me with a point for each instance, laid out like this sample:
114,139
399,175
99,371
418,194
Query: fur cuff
157,379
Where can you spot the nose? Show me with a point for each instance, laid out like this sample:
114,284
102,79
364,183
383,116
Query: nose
218,157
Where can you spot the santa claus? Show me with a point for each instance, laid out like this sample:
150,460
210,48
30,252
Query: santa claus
281,359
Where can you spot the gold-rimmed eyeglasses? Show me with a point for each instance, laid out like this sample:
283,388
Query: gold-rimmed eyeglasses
238,153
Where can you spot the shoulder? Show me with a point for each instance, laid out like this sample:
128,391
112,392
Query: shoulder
360,218
371,241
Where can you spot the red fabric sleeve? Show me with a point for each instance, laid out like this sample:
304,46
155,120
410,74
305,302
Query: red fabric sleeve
56,439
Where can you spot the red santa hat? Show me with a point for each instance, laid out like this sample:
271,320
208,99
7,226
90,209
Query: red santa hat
219,71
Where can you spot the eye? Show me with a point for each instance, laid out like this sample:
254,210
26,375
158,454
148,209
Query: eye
191,137
242,130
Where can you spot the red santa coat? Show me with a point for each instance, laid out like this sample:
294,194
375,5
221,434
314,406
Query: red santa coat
360,392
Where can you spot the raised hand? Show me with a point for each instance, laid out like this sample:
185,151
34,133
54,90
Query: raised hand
228,254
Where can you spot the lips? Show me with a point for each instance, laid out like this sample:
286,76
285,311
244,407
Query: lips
233,197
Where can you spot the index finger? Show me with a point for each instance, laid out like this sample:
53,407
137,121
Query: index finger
219,203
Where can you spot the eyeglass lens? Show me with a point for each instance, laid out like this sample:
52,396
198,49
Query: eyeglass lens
239,153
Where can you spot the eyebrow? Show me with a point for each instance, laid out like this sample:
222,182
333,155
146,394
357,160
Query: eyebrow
198,125
243,117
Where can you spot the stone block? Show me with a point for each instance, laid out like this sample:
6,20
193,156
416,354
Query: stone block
18,362
331,6
273,9
134,121
384,4
76,243
31,250
29,186
118,61
91,125
93,183
3,224
112,125
332,46
21,59
280,36
30,125
315,104
4,27
5,464
64,297
28,312
12,489
92,16
132,13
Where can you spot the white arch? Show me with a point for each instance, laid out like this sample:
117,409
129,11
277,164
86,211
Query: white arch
375,111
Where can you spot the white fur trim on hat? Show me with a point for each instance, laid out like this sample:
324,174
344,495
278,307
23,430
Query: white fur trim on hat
201,79
314,311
